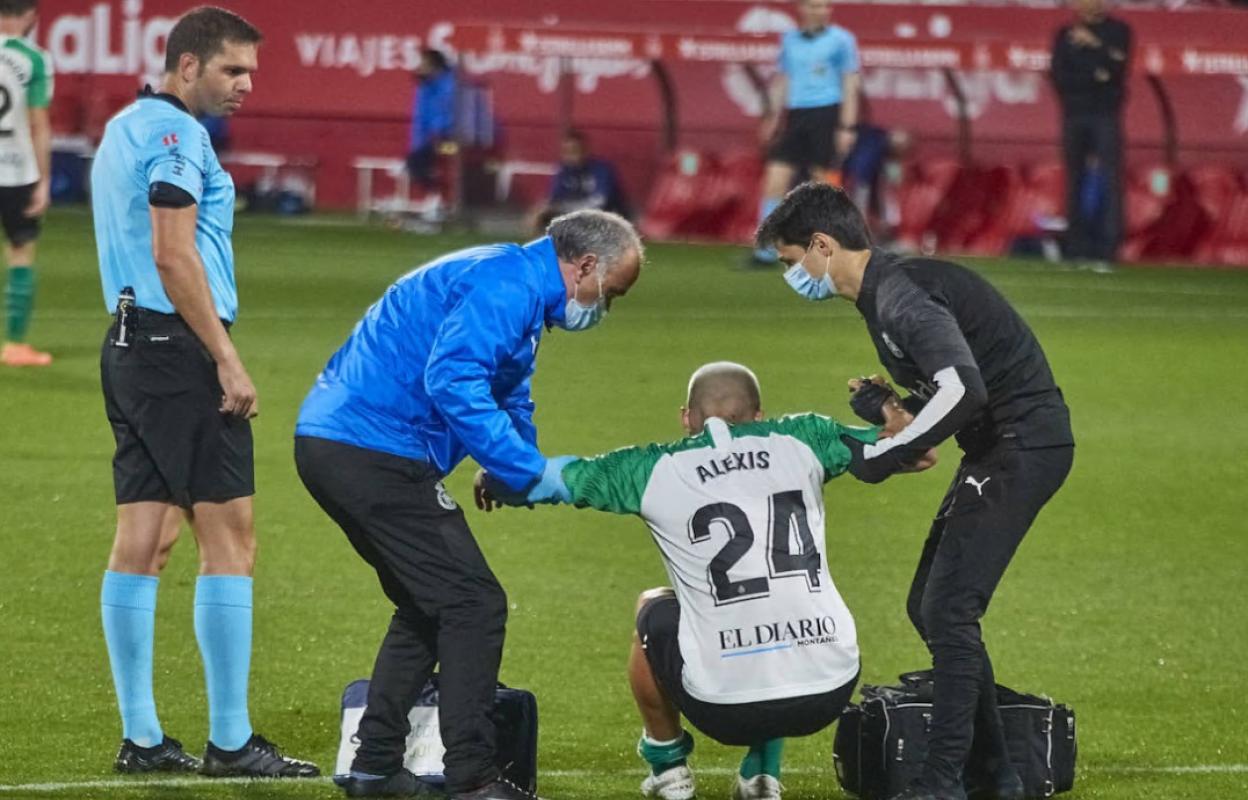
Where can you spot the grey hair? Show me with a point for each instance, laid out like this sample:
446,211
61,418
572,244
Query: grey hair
590,231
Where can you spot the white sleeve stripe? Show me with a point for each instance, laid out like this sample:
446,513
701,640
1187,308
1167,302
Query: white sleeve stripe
946,399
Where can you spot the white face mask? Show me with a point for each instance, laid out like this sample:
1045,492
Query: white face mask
580,317
811,288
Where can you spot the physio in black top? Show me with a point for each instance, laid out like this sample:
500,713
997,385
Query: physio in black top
974,371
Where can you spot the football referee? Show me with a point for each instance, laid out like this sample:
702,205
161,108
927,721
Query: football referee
812,117
177,395
974,371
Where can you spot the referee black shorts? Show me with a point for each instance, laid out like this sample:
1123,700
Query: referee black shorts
808,138
737,724
19,229
162,397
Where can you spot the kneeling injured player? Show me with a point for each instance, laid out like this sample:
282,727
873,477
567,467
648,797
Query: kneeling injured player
753,644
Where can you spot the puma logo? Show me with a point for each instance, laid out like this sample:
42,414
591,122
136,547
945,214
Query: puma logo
979,485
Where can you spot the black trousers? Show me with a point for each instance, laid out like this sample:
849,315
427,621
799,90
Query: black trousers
740,724
992,502
449,607
1098,135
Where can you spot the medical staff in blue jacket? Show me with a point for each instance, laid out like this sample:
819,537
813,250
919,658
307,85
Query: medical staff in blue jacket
439,369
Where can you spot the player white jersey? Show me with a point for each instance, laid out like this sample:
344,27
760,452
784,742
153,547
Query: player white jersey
738,515
25,83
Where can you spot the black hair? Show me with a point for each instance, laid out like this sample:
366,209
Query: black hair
437,58
203,32
16,8
812,208
575,135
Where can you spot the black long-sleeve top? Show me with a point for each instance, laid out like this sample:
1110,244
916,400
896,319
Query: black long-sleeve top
1092,79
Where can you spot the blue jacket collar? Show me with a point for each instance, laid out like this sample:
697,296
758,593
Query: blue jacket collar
554,293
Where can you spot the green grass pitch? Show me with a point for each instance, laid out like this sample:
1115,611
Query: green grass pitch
1127,600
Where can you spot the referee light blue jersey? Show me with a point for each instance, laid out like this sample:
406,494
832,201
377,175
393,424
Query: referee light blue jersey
155,139
815,65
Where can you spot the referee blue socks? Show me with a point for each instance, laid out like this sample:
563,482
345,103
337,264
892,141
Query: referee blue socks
223,630
128,609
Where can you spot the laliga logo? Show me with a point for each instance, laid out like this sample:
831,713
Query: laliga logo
85,42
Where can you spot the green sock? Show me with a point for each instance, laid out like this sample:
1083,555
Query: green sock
752,764
662,756
763,759
19,301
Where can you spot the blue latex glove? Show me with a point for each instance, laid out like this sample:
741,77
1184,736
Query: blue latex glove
550,488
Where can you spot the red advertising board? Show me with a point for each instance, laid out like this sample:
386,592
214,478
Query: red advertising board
335,79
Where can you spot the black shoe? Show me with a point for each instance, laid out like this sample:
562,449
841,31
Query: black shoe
501,789
168,756
400,784
259,758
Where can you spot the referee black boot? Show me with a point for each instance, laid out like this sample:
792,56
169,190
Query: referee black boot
401,784
501,789
168,756
259,758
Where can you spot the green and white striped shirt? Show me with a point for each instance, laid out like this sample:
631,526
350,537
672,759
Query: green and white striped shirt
25,83
737,512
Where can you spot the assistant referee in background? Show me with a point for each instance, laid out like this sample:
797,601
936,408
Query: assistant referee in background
976,372
177,395
812,117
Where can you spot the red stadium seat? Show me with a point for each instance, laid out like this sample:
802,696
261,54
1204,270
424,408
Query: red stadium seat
1142,208
740,185
1230,242
679,200
1038,193
1006,200
924,186
706,196
1217,189
966,218
1179,227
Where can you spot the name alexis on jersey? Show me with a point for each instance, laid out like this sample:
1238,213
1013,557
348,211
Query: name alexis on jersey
734,462
819,630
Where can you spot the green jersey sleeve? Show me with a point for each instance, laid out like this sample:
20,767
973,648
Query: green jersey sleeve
612,482
39,90
823,435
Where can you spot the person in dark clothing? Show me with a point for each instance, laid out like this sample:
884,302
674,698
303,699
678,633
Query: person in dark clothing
974,371
440,368
582,182
1091,56
433,115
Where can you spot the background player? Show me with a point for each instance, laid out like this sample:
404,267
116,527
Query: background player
813,110
754,643
25,164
